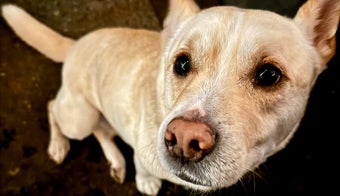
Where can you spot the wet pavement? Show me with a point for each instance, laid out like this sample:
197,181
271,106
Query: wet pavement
28,80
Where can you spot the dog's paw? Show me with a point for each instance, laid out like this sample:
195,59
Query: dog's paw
118,173
148,184
58,150
116,161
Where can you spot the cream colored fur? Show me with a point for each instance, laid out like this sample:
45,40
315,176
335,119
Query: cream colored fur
121,81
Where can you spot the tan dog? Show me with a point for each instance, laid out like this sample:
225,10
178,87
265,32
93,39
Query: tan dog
202,103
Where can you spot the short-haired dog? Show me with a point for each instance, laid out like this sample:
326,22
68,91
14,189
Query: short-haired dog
202,103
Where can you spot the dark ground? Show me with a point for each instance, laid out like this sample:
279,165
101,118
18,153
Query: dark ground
28,80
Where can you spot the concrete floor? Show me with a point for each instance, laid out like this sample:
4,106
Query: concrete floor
28,80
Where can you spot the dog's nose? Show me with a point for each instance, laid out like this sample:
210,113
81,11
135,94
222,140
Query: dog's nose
189,140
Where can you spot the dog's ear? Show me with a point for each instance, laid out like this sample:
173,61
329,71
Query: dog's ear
320,19
179,12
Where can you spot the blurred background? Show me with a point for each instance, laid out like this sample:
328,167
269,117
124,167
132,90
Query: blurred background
309,164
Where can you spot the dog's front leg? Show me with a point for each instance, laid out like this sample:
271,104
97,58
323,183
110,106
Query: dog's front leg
104,134
146,183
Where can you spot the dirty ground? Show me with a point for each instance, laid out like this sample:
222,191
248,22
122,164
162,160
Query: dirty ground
28,80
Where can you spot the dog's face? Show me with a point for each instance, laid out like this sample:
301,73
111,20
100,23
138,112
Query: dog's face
236,85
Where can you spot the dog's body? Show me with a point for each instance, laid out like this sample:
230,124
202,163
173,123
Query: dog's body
201,103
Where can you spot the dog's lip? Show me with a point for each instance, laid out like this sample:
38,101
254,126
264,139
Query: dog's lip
188,177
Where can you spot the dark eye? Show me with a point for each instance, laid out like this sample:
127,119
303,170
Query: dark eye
182,65
268,75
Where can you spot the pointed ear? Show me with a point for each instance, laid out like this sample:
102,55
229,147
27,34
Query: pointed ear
179,12
320,19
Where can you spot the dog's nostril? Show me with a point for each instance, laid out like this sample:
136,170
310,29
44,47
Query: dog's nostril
189,140
170,139
194,145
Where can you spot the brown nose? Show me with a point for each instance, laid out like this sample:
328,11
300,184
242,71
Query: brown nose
189,140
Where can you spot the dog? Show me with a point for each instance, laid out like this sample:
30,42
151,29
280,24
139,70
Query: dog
203,102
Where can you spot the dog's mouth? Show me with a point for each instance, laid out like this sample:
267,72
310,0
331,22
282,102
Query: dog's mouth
189,177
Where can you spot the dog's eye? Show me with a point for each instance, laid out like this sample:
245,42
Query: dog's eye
182,65
268,75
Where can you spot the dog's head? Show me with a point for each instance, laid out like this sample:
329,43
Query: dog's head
236,84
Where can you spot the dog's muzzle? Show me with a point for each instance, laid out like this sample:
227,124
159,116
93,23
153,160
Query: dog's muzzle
194,150
187,143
